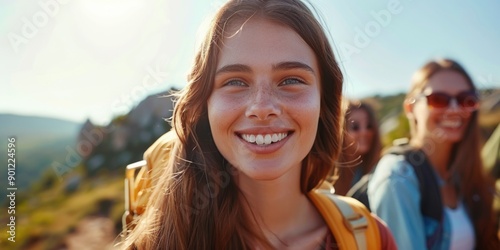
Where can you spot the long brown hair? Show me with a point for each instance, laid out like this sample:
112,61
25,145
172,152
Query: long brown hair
471,181
196,203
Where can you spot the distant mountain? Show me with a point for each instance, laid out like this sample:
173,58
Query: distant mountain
39,142
36,127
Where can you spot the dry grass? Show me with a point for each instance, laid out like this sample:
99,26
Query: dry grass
45,220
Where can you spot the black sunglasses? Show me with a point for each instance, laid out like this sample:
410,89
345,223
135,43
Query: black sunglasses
466,100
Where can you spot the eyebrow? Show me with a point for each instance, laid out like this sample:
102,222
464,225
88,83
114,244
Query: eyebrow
234,68
280,66
292,65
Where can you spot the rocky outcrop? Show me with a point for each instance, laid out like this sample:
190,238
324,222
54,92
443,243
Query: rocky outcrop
126,138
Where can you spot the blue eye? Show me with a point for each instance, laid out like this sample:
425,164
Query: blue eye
235,83
290,81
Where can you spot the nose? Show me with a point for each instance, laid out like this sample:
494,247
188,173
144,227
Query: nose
263,103
453,104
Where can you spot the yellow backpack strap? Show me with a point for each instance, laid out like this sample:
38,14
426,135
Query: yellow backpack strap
348,219
141,176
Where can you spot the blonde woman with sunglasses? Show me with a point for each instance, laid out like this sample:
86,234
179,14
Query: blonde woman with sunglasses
442,109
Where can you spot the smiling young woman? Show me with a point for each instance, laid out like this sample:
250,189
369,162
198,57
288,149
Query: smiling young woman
441,107
257,129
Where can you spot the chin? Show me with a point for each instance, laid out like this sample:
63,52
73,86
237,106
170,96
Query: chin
452,138
261,175
263,172
450,135
265,177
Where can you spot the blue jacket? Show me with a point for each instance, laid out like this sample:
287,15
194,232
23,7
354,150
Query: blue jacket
394,195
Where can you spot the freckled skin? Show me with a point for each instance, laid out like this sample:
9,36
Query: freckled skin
267,81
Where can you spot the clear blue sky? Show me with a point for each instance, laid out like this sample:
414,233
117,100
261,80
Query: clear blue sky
79,59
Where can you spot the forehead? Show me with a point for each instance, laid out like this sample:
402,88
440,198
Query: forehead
258,39
358,115
447,81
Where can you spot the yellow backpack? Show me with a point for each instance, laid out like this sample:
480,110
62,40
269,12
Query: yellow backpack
349,221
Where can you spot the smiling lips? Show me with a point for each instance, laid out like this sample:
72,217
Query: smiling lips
451,123
265,139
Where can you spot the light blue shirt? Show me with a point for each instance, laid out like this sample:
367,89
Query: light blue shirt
394,196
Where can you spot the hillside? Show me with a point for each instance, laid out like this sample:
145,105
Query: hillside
39,142
78,184
35,126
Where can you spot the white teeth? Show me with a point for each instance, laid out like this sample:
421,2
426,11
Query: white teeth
275,137
259,139
264,139
267,139
451,124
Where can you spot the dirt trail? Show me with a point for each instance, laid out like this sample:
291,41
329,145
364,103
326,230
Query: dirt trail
92,233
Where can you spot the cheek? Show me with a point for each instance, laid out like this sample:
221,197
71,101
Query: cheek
306,107
216,118
304,113
212,110
421,114
350,138
368,136
223,113
307,116
220,110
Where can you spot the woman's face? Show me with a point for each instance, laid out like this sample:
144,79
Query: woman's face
265,104
443,124
360,131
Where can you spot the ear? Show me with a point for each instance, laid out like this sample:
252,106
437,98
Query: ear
408,108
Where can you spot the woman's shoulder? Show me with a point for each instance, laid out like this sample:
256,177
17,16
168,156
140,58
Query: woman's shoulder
393,173
394,165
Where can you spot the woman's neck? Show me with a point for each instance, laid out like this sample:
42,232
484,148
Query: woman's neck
439,156
283,213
